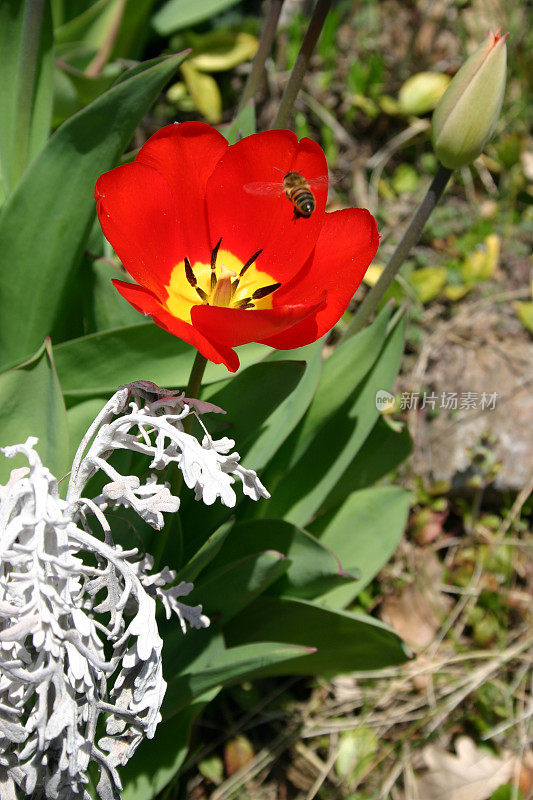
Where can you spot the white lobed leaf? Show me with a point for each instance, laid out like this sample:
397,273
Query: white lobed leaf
78,630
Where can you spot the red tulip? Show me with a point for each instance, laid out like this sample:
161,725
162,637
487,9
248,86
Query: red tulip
220,254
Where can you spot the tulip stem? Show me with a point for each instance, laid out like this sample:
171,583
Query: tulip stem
298,71
265,45
403,248
175,475
193,387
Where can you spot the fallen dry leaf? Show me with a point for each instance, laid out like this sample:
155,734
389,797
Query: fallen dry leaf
418,610
237,753
472,774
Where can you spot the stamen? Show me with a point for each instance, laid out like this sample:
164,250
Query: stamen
264,291
201,293
214,253
234,285
246,303
189,274
250,262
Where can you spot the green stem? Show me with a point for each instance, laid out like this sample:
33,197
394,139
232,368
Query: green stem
175,475
297,75
403,248
193,387
265,45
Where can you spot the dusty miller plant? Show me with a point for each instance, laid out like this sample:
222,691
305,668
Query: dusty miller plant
79,643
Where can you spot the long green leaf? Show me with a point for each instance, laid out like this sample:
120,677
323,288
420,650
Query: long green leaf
91,26
228,590
299,491
268,434
157,760
32,405
243,124
279,425
45,222
205,554
105,308
26,84
383,450
247,403
178,14
313,568
341,373
97,364
228,666
364,533
344,641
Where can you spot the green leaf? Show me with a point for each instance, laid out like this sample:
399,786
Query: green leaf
91,26
299,489
222,50
223,666
228,590
344,641
525,314
73,89
341,373
355,753
247,403
363,533
313,568
258,420
280,424
79,417
204,91
99,363
243,124
383,450
178,14
157,760
428,282
134,29
26,84
32,405
45,222
205,554
106,309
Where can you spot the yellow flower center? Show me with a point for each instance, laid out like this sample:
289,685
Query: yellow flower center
225,282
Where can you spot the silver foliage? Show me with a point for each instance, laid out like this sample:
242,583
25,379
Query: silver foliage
79,644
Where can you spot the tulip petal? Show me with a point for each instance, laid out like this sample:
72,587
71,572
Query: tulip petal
148,304
185,154
247,207
347,244
234,326
136,211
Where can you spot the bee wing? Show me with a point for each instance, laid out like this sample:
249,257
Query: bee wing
321,180
263,188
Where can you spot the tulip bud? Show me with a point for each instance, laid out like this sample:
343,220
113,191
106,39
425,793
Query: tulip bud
465,117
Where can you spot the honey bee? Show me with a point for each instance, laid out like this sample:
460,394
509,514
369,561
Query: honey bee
297,189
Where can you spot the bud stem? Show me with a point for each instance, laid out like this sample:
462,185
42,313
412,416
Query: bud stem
298,71
403,248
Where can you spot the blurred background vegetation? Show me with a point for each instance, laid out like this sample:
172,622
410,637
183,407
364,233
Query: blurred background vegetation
458,590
